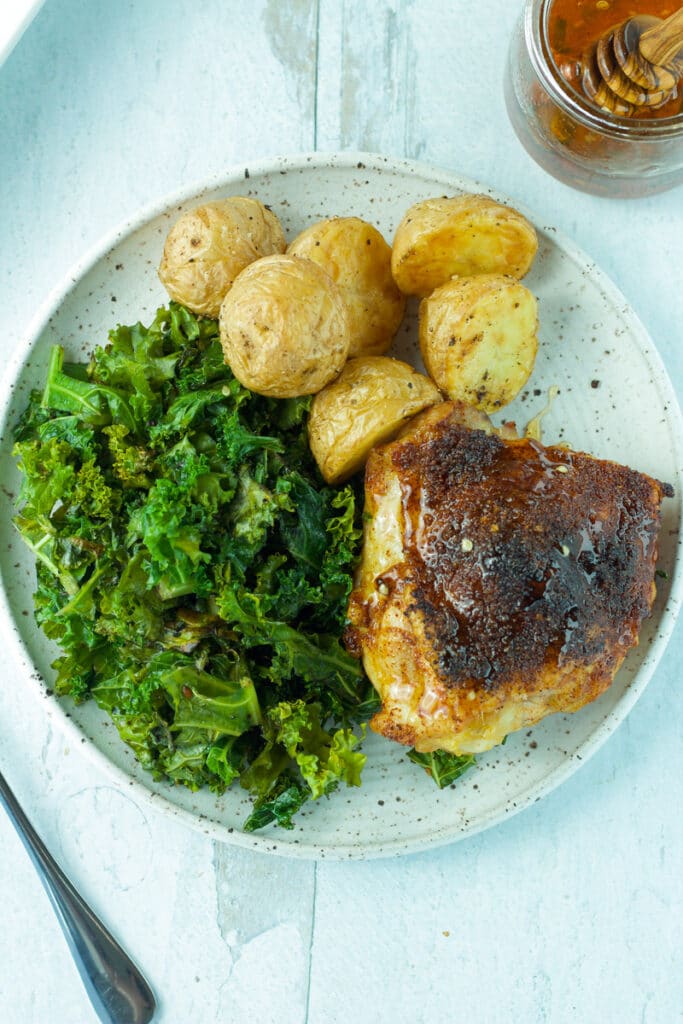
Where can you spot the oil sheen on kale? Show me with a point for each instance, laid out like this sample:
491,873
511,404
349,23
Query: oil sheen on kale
194,568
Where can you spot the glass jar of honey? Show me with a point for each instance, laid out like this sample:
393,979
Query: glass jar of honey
568,135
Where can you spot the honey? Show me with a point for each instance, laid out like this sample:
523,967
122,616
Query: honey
574,139
574,27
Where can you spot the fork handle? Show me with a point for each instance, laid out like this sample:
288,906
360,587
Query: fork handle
118,991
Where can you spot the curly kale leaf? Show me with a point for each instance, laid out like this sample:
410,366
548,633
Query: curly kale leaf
131,464
442,767
93,403
193,566
279,808
302,760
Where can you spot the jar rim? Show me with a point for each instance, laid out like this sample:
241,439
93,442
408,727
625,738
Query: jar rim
536,16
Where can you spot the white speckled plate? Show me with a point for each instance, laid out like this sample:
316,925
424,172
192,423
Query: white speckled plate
615,401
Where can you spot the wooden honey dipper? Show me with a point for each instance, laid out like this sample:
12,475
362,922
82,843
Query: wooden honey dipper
638,64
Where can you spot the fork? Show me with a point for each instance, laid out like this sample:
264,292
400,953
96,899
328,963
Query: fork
118,991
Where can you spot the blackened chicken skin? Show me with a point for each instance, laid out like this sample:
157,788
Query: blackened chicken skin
500,580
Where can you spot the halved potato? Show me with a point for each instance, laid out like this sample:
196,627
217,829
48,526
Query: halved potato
478,338
463,235
356,256
210,245
284,327
373,397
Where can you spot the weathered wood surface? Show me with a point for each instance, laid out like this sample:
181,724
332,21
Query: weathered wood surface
569,912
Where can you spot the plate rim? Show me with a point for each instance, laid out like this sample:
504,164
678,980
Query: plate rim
355,160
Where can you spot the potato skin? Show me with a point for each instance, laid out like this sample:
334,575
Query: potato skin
478,338
373,397
209,246
284,327
357,257
463,235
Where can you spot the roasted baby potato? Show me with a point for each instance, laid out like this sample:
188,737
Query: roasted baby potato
356,256
284,327
478,338
373,397
209,246
465,235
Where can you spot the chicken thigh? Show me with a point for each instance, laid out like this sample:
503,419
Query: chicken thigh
500,580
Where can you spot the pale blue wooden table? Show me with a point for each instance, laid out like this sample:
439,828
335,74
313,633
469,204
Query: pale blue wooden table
571,911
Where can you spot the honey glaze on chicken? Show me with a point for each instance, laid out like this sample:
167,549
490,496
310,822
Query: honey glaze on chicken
500,580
